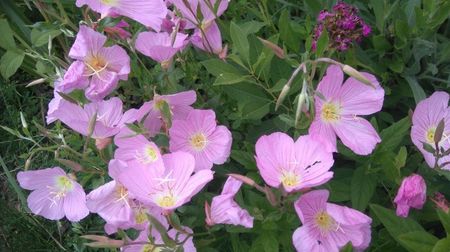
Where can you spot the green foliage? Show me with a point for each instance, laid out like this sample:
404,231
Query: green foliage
408,51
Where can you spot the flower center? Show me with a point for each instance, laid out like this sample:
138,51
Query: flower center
64,184
109,2
159,104
198,141
148,155
140,216
166,201
429,135
289,179
330,112
121,193
150,248
96,64
325,222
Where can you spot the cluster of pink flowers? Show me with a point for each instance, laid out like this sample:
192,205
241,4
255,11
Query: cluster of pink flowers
343,26
149,180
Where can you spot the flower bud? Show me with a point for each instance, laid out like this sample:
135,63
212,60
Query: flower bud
356,74
279,52
412,193
282,96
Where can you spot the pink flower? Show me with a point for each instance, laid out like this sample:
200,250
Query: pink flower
338,113
179,104
168,186
112,201
96,68
118,31
224,210
210,40
293,165
162,46
426,117
210,10
199,135
145,244
54,195
147,12
109,117
412,193
329,227
136,150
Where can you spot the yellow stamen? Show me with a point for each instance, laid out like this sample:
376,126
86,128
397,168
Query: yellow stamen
166,201
158,105
109,2
64,184
289,179
198,141
429,135
150,248
330,112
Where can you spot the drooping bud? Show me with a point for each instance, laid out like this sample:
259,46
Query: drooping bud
356,74
208,219
278,51
99,241
282,96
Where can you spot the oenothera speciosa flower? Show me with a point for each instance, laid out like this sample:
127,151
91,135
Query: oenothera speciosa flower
338,109
169,185
199,135
55,194
106,117
329,227
426,118
412,193
209,9
96,68
162,46
179,105
147,12
293,165
224,210
209,39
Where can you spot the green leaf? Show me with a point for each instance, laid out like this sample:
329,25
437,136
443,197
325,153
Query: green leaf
244,158
240,41
10,62
6,39
445,220
287,34
322,43
395,225
217,67
362,188
442,245
418,241
230,78
251,27
40,38
417,90
161,230
314,5
392,136
400,159
269,241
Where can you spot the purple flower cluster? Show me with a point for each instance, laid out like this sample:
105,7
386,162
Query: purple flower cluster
343,26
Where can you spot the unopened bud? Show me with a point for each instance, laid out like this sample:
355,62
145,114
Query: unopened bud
244,179
208,219
27,164
102,242
224,53
270,196
282,96
35,82
357,75
272,46
102,143
71,164
23,121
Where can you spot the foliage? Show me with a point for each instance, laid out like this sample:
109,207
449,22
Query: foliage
408,51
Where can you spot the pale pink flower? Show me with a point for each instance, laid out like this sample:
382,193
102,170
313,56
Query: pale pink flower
109,117
412,193
339,112
136,150
96,68
112,201
426,117
54,195
293,165
210,10
179,105
224,210
199,135
329,227
168,186
162,46
209,39
145,244
147,12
